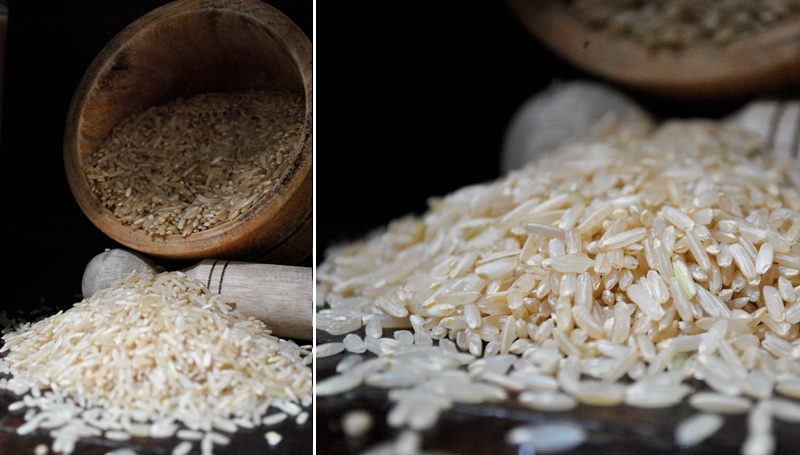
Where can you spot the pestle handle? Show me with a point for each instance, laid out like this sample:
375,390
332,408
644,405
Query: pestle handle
279,295
276,294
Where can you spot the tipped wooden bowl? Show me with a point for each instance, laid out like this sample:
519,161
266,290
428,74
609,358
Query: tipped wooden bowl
183,49
761,63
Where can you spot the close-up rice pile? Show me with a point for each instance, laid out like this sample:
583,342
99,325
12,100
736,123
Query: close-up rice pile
155,356
678,23
193,164
640,272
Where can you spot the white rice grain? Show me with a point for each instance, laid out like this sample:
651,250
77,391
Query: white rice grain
182,449
697,428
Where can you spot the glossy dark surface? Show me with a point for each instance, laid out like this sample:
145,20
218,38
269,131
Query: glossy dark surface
296,439
480,429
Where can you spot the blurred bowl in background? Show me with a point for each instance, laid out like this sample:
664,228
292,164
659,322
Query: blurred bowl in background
765,61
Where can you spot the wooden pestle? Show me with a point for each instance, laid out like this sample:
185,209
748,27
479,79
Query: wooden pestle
279,295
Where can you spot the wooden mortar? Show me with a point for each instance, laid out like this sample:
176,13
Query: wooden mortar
182,49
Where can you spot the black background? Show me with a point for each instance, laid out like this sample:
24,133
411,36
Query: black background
420,93
47,239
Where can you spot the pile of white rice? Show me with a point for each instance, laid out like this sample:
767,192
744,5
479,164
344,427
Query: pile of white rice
153,356
606,273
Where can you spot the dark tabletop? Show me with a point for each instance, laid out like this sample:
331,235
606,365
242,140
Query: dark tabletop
296,439
480,429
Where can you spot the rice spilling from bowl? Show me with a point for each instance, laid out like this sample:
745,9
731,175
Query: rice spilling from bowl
605,273
152,356
193,164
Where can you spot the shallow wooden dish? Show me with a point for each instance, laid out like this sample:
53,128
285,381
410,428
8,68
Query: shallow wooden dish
182,49
767,62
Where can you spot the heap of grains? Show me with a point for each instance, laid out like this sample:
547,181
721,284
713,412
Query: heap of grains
191,165
153,356
605,273
679,23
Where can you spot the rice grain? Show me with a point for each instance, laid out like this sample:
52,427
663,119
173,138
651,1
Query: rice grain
193,164
656,260
150,333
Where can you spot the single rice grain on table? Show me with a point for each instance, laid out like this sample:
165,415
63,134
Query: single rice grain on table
152,356
604,273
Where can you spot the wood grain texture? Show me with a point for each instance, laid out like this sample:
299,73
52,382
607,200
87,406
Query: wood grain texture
281,296
767,62
182,49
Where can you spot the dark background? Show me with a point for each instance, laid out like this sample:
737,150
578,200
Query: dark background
420,93
50,44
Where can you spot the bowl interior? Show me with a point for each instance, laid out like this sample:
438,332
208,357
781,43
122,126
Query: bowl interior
197,52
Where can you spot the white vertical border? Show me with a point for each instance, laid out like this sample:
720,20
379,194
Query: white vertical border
314,229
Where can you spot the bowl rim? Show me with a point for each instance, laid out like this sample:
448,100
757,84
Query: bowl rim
742,67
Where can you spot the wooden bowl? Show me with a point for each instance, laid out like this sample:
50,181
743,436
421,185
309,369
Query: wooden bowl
762,63
183,49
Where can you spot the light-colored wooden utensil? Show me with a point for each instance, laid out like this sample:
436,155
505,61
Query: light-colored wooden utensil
182,49
759,63
281,296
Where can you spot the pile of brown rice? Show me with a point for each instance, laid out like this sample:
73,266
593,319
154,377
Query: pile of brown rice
605,273
679,23
191,165
153,356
